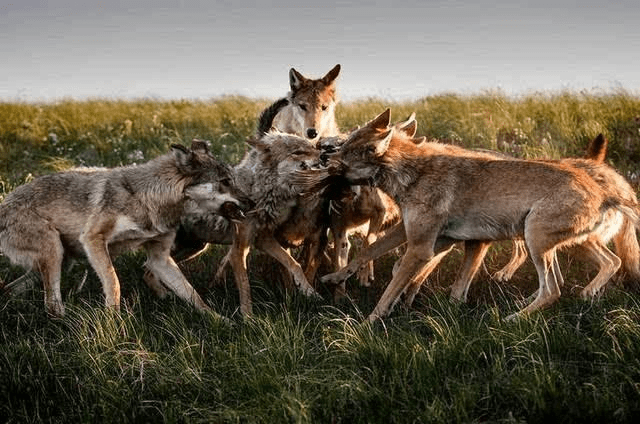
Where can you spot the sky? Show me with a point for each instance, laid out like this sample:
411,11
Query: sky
394,49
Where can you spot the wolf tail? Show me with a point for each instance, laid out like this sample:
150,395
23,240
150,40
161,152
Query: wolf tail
265,122
597,149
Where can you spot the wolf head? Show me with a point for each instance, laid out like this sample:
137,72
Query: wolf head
212,187
365,150
286,153
313,104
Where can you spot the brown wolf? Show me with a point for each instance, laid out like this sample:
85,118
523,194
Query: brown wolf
101,213
446,198
616,225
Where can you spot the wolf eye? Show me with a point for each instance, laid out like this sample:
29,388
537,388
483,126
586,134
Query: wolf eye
225,182
302,106
324,107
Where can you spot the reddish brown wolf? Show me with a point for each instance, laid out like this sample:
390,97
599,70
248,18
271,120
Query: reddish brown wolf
447,197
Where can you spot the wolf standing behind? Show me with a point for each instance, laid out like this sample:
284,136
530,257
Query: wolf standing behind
102,212
310,109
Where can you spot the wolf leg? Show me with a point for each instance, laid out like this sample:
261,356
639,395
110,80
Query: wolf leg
395,237
608,262
474,253
49,263
518,256
423,274
238,260
95,246
270,246
164,267
413,260
548,291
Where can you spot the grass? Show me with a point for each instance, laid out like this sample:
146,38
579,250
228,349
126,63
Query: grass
305,361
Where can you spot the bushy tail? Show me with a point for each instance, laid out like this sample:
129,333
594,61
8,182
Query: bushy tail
597,149
265,122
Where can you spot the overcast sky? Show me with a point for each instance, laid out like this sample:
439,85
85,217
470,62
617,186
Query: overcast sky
396,49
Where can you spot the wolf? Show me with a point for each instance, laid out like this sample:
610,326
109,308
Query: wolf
99,213
281,217
616,225
309,108
446,198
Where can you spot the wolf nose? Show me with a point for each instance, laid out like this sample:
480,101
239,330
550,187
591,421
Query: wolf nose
312,133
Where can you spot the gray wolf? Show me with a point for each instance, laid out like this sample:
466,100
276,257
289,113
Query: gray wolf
446,198
617,226
281,217
100,213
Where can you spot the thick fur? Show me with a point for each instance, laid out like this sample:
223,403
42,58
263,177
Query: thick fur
282,217
447,198
100,213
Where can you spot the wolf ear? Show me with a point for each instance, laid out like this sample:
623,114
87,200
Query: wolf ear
200,146
382,145
409,126
331,75
597,150
381,121
182,154
295,79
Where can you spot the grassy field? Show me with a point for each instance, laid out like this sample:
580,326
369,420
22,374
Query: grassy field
314,361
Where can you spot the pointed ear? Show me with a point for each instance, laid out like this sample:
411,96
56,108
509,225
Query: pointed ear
407,122
382,145
331,75
296,79
419,140
200,146
182,154
381,121
409,126
410,129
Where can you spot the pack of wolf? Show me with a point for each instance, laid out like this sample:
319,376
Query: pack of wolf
305,184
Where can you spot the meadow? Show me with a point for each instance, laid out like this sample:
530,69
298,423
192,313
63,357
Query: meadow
300,360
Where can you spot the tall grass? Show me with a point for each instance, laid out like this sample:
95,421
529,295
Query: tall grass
304,361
